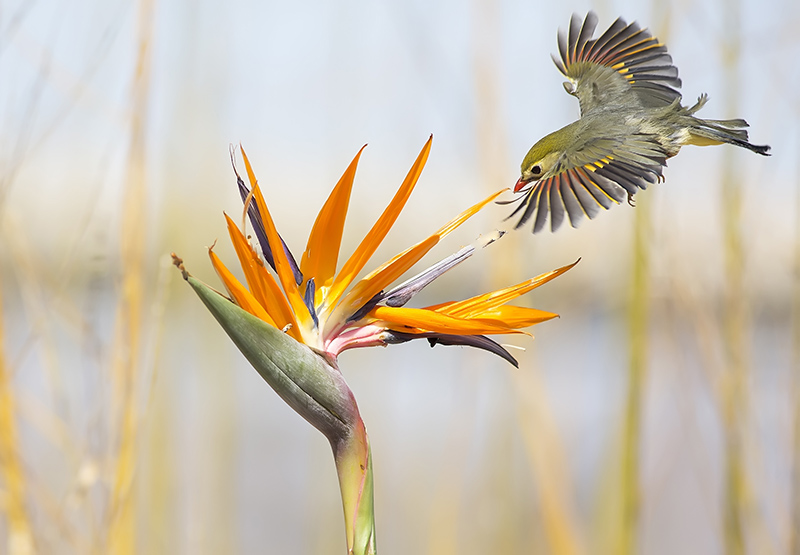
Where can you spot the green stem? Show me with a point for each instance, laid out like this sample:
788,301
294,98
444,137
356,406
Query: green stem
354,466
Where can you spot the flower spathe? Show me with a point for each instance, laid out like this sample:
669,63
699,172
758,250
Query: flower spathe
318,307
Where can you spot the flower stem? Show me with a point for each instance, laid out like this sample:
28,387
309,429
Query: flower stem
354,466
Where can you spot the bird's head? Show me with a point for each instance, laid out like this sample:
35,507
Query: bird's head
541,158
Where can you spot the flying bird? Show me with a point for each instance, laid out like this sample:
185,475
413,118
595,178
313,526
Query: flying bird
631,121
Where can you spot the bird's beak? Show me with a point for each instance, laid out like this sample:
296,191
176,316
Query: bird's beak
521,182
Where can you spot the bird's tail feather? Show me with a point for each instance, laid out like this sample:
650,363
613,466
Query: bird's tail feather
704,132
710,131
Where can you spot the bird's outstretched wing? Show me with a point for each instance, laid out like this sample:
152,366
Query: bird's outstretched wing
625,66
600,173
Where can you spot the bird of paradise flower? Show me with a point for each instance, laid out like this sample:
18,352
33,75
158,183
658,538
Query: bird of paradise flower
293,328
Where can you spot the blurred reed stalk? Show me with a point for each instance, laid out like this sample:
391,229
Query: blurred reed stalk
638,348
447,496
490,143
548,464
638,328
735,337
12,498
126,354
794,520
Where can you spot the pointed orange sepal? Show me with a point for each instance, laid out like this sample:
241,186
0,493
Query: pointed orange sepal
517,316
375,235
423,319
282,265
475,306
467,214
262,285
239,292
322,250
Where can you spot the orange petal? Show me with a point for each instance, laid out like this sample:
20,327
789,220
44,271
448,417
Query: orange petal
375,235
261,283
322,250
388,272
239,292
428,320
282,266
475,306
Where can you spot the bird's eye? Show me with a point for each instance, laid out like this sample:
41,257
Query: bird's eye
536,170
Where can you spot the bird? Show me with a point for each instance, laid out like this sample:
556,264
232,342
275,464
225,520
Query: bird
632,121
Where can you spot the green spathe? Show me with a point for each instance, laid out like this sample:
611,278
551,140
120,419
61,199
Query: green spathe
314,388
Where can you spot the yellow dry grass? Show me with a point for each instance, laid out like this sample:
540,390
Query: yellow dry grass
12,498
126,360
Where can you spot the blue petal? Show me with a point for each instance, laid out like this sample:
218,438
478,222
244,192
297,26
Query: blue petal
308,298
401,294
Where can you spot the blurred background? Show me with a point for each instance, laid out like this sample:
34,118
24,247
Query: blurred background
660,414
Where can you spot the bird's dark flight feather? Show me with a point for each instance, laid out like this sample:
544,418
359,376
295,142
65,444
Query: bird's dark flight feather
600,174
626,65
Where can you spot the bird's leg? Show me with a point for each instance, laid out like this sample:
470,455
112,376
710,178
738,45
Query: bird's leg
631,201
